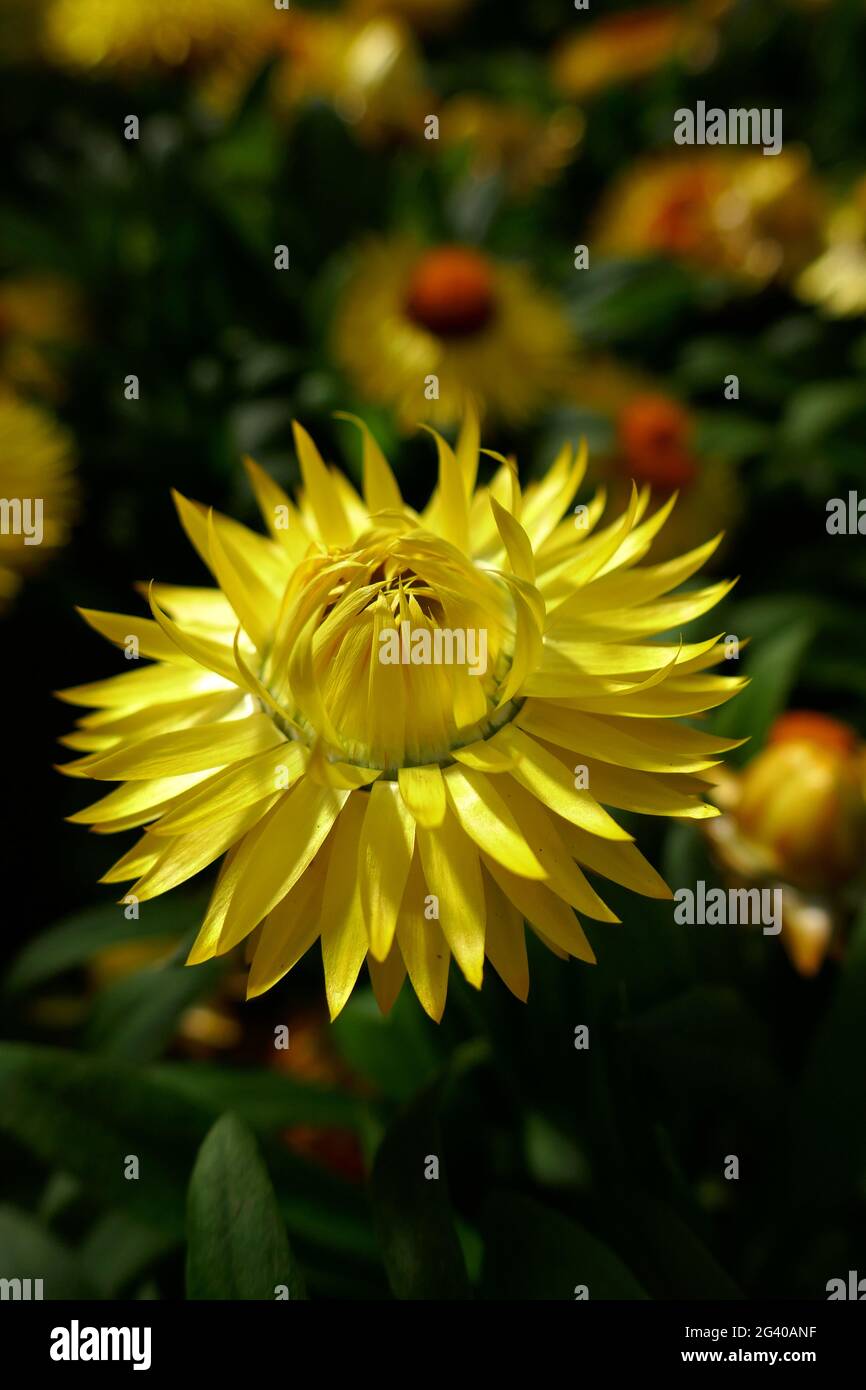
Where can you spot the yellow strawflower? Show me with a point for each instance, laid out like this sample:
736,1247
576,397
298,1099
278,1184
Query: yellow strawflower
796,816
311,719
633,44
425,330
40,317
802,800
369,70
366,65
727,210
836,279
161,33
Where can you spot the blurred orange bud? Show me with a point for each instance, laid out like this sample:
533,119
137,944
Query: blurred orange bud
801,801
655,434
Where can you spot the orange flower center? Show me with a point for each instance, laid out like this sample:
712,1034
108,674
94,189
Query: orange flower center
679,226
637,23
451,292
654,437
807,726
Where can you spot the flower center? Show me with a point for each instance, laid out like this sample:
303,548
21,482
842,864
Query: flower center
680,224
395,654
451,292
654,436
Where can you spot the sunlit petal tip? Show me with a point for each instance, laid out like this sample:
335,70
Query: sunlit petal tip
71,695
77,769
198,956
185,506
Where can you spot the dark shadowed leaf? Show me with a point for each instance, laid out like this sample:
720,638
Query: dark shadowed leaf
682,1265
396,1053
532,1252
772,667
78,939
828,1157
136,1018
412,1210
728,1048
265,1100
89,1116
118,1250
29,1251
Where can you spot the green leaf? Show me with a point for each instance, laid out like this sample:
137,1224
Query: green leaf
237,1244
686,858
684,1267
817,410
731,436
728,1050
118,1250
532,1252
553,1158
625,300
86,1116
29,1251
398,1053
319,1207
772,666
412,1212
136,1018
78,939
706,362
265,1100
828,1154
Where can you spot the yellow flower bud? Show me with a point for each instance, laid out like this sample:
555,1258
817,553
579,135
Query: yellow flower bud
801,801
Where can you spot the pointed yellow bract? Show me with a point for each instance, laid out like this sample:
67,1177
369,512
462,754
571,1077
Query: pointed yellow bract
406,733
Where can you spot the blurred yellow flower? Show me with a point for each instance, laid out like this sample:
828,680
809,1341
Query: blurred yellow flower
527,148
796,815
836,280
368,70
161,33
622,47
424,330
405,810
365,64
801,800
732,211
39,314
37,489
